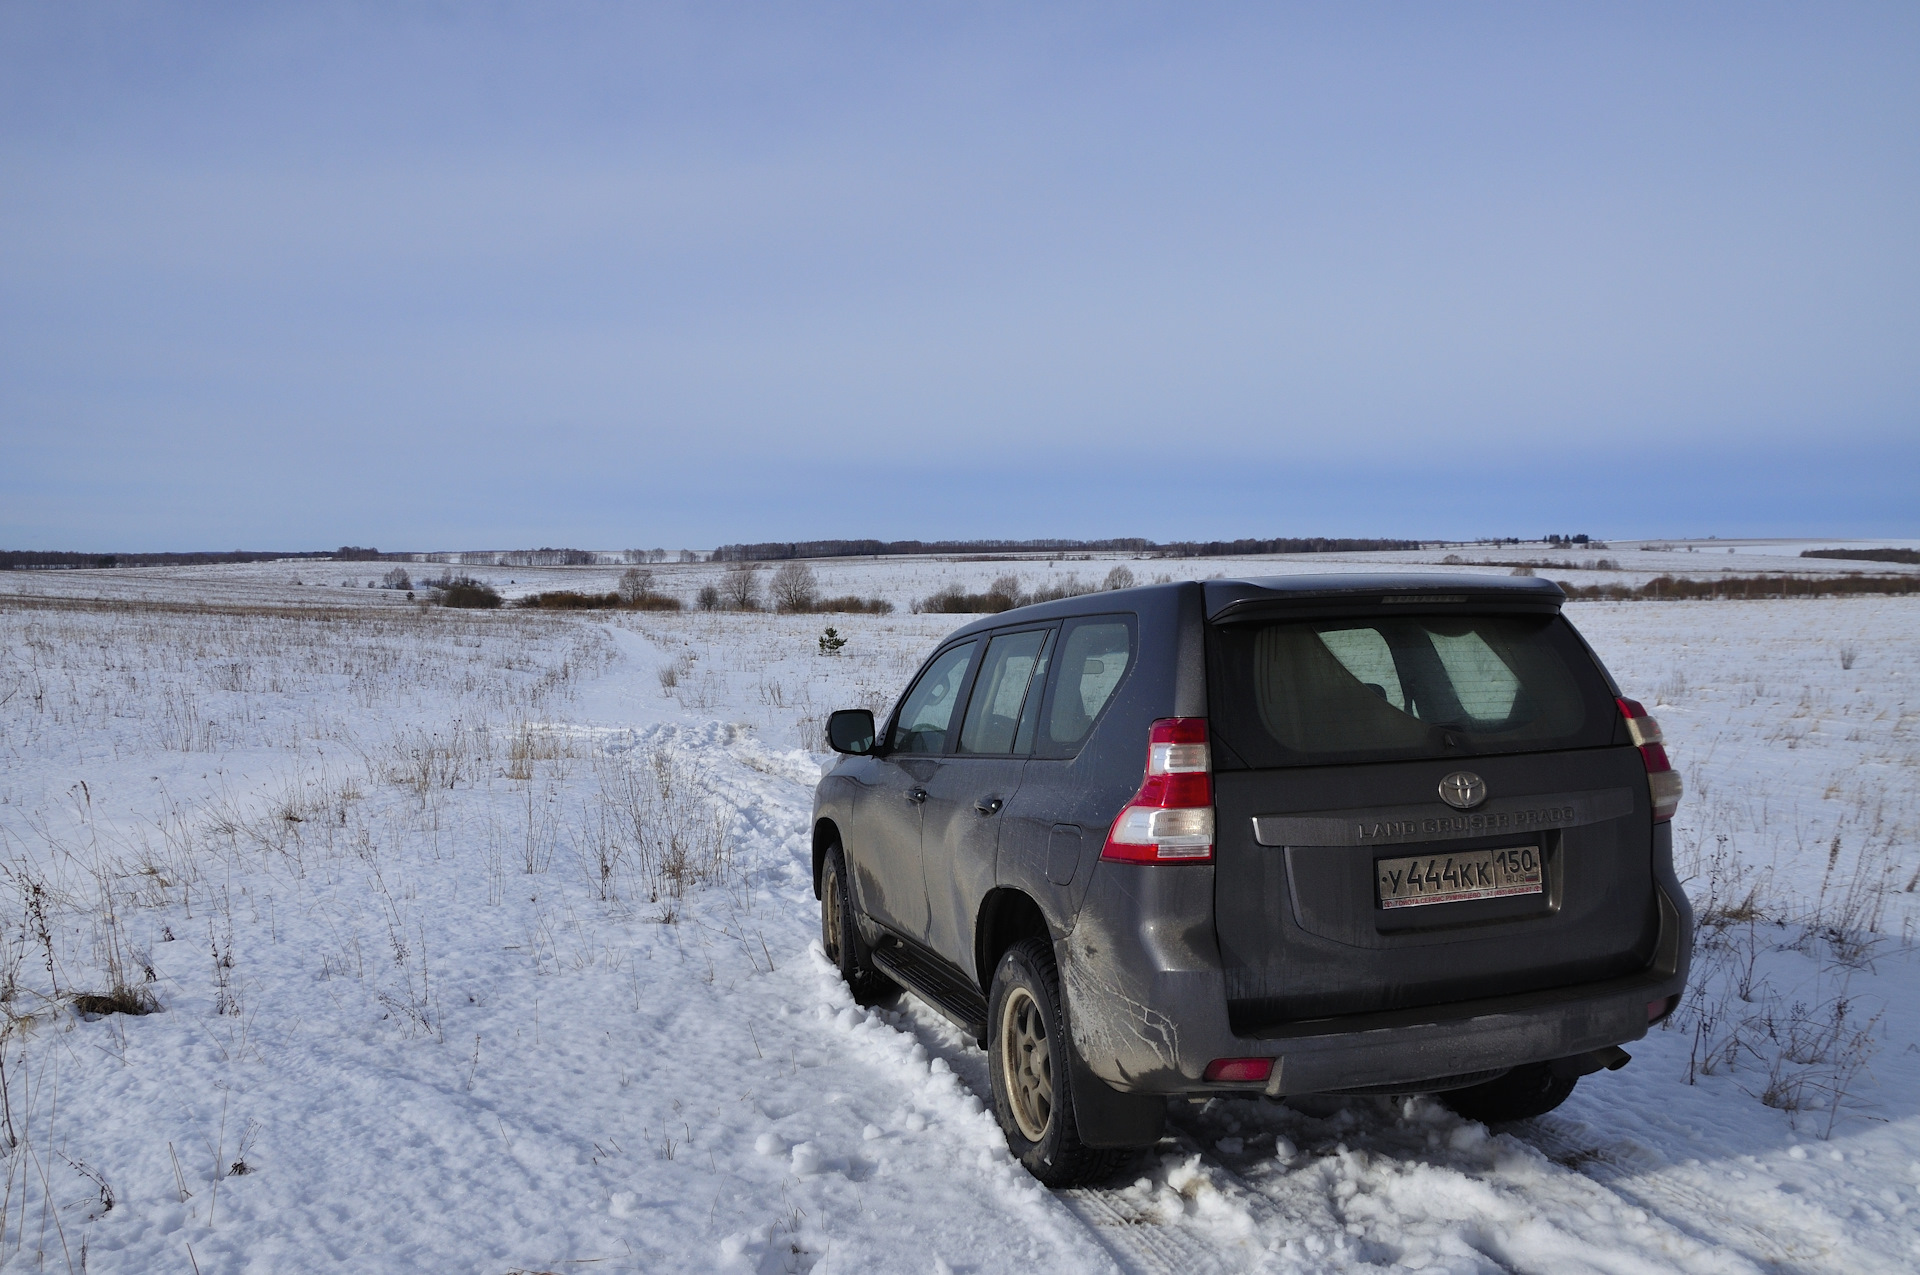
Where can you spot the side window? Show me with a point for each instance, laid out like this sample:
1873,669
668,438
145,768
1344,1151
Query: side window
1094,655
1000,691
927,710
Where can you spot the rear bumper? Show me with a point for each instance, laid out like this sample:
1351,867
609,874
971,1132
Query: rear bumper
1471,1038
1148,1005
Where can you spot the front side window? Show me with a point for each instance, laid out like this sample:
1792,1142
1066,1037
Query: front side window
1094,655
999,693
1305,692
927,711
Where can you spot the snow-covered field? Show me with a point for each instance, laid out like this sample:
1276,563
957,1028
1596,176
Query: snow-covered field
484,942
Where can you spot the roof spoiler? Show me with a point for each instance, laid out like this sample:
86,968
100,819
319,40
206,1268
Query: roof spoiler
1229,600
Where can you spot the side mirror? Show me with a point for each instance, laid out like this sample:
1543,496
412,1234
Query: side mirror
850,730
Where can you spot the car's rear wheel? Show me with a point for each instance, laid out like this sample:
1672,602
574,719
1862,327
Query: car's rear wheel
1524,1092
1031,1074
840,933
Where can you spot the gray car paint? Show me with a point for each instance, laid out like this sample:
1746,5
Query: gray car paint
1136,946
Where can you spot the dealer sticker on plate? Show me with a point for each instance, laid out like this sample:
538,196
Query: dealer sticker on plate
1459,877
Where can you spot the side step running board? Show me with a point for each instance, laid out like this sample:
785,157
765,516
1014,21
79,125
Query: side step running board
936,983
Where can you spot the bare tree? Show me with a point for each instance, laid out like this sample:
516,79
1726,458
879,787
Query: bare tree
740,587
793,587
636,583
709,598
396,578
1121,577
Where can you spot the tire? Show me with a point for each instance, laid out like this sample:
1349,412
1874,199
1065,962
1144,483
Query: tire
1031,1072
1524,1092
840,934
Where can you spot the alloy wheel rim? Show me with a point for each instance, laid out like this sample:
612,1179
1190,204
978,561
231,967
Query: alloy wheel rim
830,929
1026,1062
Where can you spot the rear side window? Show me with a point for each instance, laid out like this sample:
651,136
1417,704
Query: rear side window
927,711
1000,691
1304,692
1094,655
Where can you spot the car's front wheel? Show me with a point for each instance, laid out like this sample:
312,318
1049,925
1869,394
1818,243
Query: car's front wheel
1029,1068
840,933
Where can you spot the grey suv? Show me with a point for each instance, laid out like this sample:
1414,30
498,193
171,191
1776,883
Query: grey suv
1303,835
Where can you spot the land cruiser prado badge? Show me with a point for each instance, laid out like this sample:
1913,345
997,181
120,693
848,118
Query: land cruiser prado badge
1463,790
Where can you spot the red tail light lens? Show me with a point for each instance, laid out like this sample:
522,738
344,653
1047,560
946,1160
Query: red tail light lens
1170,820
1240,1069
1663,781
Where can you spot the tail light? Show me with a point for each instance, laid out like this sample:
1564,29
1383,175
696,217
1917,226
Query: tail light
1663,781
1170,820
1239,1070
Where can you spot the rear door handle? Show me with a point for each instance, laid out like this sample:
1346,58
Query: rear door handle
916,795
988,805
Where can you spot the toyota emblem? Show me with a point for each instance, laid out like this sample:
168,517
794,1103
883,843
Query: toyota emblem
1463,790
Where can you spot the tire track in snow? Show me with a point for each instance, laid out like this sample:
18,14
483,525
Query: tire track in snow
929,1143
1632,1173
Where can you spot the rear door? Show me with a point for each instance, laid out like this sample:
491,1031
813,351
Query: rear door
1420,808
971,788
1054,827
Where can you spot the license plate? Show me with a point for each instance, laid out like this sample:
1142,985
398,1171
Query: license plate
1458,877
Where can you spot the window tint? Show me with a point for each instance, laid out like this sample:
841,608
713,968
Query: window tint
1093,658
993,714
928,708
1310,691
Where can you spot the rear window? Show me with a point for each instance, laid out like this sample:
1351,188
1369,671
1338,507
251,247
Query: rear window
1309,692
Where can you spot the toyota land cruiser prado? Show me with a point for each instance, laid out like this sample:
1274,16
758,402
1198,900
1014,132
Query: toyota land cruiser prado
1300,835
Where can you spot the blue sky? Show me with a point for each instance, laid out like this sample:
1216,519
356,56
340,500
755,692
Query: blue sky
463,275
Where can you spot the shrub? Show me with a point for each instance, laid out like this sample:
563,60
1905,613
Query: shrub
569,600
396,578
1121,577
122,999
709,598
1673,588
954,601
465,591
864,606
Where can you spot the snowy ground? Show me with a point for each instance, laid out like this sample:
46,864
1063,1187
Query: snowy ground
481,947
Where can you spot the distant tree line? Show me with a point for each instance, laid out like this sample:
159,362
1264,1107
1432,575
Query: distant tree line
557,557
1672,588
54,559
1865,555
782,551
